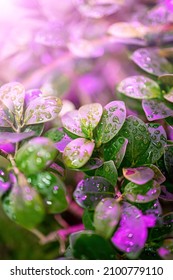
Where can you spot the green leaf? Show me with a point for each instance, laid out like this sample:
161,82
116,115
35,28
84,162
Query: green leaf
138,175
42,109
90,191
78,152
112,119
35,155
12,95
52,189
139,87
115,150
106,216
135,130
168,159
90,246
158,176
108,171
7,118
156,110
169,96
54,134
163,228
36,128
167,79
142,193
156,147
150,61
71,122
131,235
90,115
87,219
24,206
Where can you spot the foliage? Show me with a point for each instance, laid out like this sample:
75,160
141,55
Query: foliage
107,161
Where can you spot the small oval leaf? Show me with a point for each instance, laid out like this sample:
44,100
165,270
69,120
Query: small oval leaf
106,216
131,235
156,110
90,191
139,87
108,171
71,122
142,193
35,155
42,109
150,61
138,175
90,115
112,119
78,152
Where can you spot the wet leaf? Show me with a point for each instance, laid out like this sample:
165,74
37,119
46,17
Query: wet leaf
150,61
36,128
108,171
90,115
139,87
35,155
167,79
163,228
52,189
12,95
85,242
24,206
6,118
11,137
156,146
90,191
142,193
158,176
42,109
115,150
165,194
87,219
92,164
169,96
168,159
131,235
166,250
56,135
106,216
138,175
112,119
135,130
127,30
78,152
156,110
71,122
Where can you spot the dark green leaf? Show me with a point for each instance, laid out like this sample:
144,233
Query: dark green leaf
163,228
112,119
90,191
90,246
156,147
87,219
135,130
115,150
168,160
108,171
